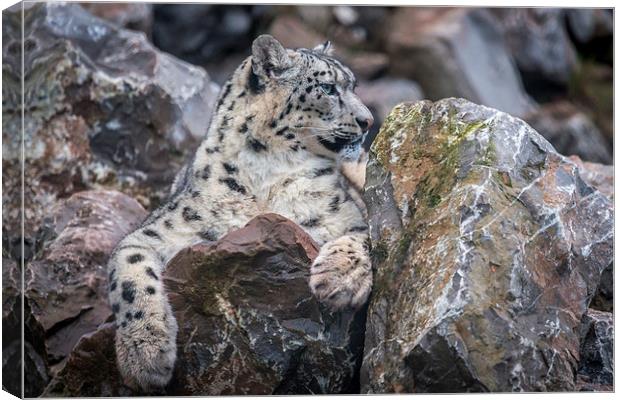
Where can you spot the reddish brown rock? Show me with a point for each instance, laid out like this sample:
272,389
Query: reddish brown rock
248,324
66,282
90,370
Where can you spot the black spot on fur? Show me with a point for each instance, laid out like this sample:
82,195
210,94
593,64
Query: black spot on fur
241,94
335,146
233,185
288,108
138,315
215,149
150,290
124,324
334,204
243,128
151,233
168,224
116,308
135,258
310,223
225,94
273,124
113,286
290,136
129,291
173,206
231,169
309,89
209,235
195,193
151,273
190,214
206,172
254,83
322,172
256,145
280,132
359,228
315,73
302,98
128,316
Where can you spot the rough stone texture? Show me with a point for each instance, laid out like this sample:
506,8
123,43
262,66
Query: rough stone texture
90,370
596,175
570,131
35,370
596,362
66,282
248,324
293,33
134,16
11,327
104,109
456,52
488,248
538,40
604,298
382,95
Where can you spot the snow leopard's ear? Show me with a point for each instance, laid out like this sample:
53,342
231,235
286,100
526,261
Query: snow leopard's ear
269,57
324,48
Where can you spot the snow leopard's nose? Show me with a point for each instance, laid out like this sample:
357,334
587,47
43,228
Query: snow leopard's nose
365,123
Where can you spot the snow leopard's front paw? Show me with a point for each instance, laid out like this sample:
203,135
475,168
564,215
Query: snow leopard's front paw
341,275
146,353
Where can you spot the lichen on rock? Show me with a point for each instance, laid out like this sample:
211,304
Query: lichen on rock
491,255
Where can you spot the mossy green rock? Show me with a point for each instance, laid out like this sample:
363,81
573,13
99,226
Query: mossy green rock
487,246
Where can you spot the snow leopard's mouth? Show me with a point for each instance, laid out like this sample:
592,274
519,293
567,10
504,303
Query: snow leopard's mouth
353,149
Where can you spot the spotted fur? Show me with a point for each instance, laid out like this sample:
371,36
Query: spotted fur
286,124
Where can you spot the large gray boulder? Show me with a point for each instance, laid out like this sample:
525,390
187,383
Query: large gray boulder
456,52
538,40
488,248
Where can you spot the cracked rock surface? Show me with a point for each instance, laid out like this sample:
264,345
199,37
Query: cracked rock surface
488,248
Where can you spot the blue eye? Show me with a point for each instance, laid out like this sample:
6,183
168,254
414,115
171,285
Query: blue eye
328,88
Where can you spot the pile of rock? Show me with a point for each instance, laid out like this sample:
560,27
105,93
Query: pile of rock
492,252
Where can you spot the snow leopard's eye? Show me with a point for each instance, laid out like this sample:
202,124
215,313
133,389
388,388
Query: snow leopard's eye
328,88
